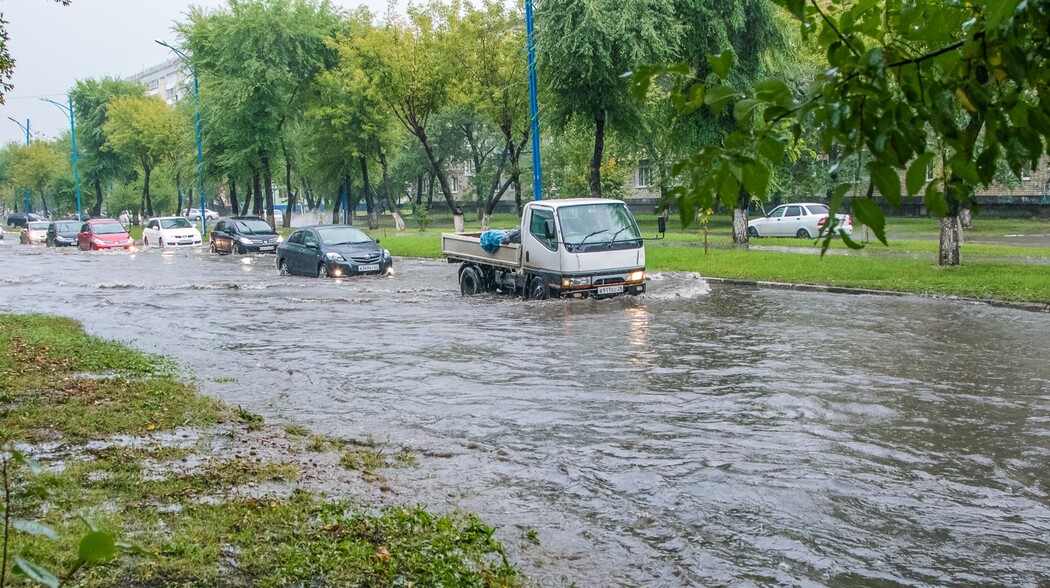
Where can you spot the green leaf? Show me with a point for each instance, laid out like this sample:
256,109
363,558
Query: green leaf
916,177
774,91
694,99
986,163
728,187
756,179
797,8
640,81
35,528
97,546
721,63
773,148
19,457
719,96
137,549
35,573
742,109
935,201
850,242
837,195
869,214
886,181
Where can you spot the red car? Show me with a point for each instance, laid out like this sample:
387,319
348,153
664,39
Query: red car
103,233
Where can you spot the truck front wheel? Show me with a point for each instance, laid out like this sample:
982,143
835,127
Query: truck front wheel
538,289
470,281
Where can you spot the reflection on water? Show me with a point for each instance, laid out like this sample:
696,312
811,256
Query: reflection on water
696,435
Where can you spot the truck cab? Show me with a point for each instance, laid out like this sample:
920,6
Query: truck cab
579,247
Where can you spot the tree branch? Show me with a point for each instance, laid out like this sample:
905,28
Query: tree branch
827,20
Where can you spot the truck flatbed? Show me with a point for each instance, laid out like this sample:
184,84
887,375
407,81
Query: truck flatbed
466,247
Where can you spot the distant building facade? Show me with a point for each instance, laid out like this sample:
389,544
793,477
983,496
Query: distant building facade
169,80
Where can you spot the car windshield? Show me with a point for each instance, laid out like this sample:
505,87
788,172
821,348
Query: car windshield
39,226
253,227
68,227
342,235
112,228
175,223
597,223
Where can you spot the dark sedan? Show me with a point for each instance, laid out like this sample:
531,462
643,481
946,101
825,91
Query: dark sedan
332,250
18,219
63,233
243,234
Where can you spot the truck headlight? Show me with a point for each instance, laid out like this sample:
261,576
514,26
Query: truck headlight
332,255
577,281
636,276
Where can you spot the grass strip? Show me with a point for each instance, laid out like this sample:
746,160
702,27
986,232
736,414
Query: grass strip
128,446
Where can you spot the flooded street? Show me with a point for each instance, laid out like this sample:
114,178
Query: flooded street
700,435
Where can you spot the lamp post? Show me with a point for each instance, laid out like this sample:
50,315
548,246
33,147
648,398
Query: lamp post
537,179
25,128
200,153
68,110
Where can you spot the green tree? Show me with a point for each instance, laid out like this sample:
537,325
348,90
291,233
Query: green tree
98,165
146,130
585,46
37,165
963,84
256,60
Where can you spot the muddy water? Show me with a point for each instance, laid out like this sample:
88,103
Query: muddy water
698,435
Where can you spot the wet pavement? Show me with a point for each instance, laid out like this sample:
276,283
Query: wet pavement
698,435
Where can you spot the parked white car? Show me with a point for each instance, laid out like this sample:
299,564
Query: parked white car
798,219
194,214
170,231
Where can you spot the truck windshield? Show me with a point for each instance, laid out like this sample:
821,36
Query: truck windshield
598,226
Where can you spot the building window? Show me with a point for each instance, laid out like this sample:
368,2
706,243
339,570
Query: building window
929,172
469,168
1026,174
644,175
454,182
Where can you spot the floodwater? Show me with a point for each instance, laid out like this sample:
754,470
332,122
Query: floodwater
700,435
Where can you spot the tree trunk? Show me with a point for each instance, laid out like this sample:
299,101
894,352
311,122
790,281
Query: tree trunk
430,190
233,196
419,190
596,160
178,191
257,193
288,187
145,191
264,162
949,252
966,216
337,205
373,216
740,236
446,190
308,194
486,221
43,202
96,210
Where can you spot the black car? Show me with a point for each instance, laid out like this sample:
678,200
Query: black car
18,219
332,250
63,233
243,234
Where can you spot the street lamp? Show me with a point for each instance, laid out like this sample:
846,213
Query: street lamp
534,115
200,153
25,128
68,110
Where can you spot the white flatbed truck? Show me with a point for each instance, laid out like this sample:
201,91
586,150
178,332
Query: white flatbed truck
579,247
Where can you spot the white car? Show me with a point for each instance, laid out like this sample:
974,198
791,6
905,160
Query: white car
170,231
34,232
798,219
194,214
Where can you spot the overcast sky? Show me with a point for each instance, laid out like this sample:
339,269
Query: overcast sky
54,46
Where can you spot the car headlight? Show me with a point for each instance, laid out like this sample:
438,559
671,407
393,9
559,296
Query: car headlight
332,255
245,241
577,281
386,253
636,276
97,241
280,239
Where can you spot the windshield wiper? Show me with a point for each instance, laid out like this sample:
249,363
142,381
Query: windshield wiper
616,234
589,235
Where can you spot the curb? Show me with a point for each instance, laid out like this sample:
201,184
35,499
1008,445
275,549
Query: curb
1028,306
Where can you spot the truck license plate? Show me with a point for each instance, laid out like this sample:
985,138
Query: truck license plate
610,290
372,267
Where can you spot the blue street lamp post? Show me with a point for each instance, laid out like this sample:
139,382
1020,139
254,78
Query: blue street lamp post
68,110
537,180
200,152
25,128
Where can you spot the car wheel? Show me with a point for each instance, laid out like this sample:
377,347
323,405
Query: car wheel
282,266
162,243
241,250
145,241
802,234
538,289
752,232
322,271
212,248
470,282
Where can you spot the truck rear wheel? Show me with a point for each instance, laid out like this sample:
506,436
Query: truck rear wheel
538,289
470,281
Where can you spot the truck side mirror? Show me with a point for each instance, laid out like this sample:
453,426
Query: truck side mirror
548,229
661,225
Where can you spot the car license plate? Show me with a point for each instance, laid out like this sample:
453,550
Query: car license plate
372,267
610,290
269,248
